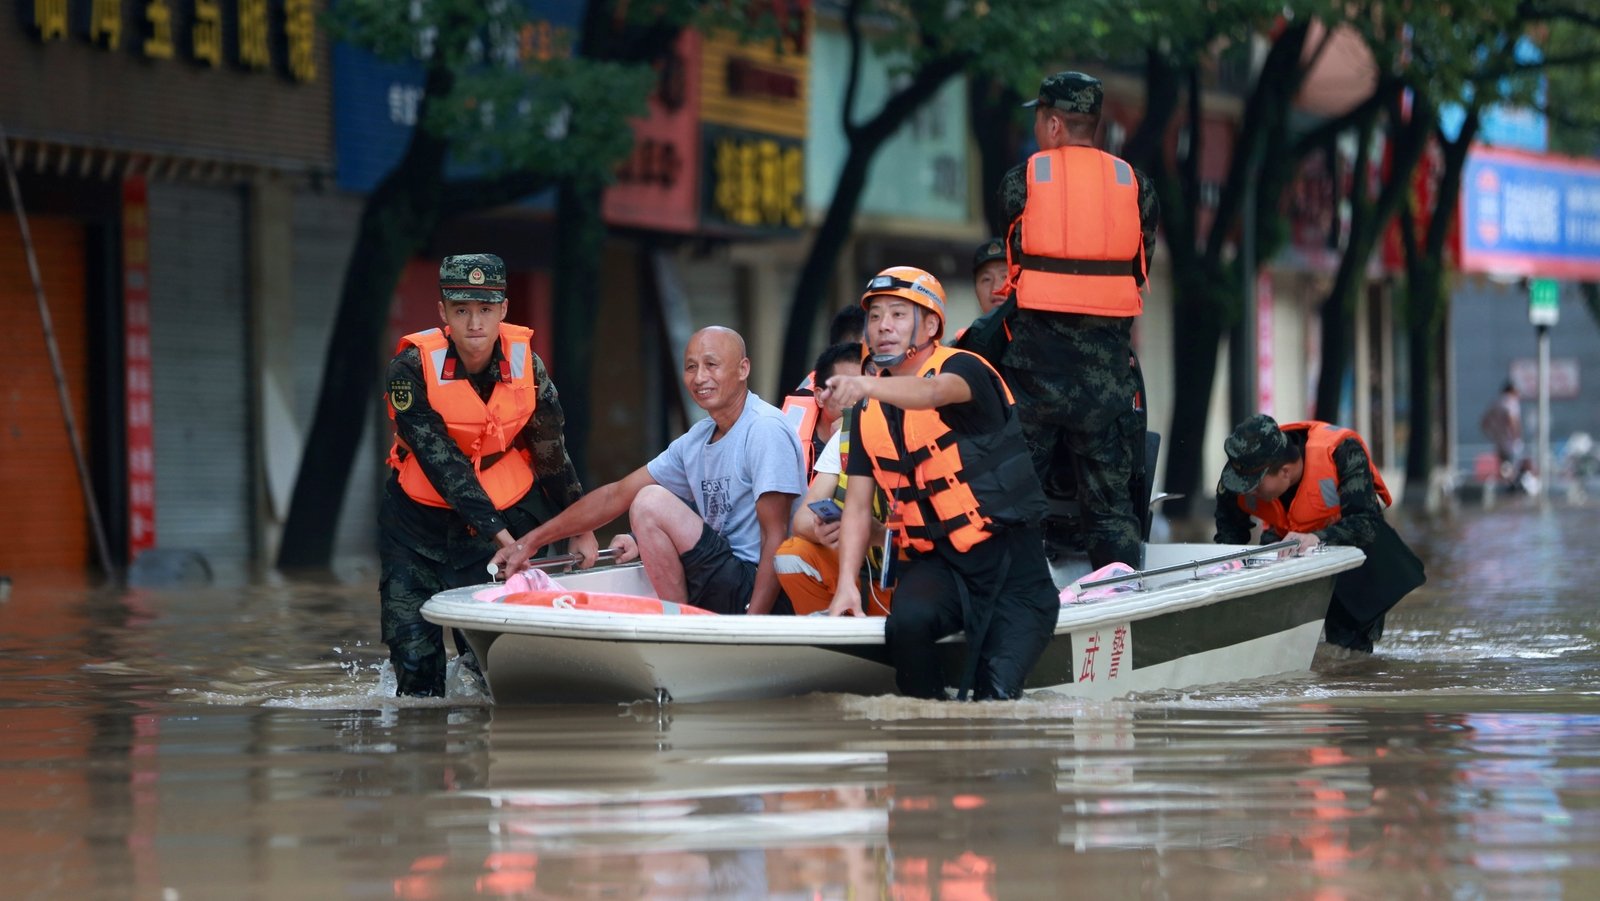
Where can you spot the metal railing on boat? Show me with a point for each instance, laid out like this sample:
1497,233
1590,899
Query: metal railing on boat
1194,565
562,562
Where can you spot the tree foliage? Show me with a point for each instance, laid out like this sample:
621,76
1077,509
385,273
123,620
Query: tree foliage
498,119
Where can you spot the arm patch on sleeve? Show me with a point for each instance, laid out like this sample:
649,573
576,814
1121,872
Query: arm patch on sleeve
401,394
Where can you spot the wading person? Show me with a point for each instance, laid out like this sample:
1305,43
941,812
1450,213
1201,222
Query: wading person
938,434
709,512
1083,225
1314,483
478,456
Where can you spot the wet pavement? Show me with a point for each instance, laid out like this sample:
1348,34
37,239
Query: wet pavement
241,744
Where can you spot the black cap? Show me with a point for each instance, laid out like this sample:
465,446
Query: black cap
987,252
1255,445
1070,92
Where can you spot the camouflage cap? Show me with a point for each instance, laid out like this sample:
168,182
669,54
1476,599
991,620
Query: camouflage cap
1255,446
987,252
1070,92
473,278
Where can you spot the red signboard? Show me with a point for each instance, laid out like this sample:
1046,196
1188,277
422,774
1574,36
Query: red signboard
658,186
136,353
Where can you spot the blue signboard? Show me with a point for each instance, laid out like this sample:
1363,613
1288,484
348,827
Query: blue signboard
375,102
1523,214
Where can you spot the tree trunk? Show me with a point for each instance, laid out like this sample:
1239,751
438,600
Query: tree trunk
1428,305
816,275
991,112
396,223
1368,222
1425,308
1200,324
580,243
1206,285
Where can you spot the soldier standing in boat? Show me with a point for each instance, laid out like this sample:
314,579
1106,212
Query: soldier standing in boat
939,435
1083,226
478,457
1314,483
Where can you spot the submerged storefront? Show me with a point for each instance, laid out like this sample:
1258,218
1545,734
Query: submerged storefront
168,156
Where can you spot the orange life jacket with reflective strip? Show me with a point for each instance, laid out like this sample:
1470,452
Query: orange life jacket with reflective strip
485,432
942,484
1316,500
803,414
1082,247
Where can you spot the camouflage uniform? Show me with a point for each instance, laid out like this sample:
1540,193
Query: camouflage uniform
1360,597
1071,373
1255,445
425,550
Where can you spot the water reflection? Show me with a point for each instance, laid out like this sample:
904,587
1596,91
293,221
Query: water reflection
243,743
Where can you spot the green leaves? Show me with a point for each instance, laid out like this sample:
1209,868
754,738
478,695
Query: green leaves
504,89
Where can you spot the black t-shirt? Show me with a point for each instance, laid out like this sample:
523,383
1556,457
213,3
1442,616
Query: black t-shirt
986,412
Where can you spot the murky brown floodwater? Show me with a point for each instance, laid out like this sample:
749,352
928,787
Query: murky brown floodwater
240,744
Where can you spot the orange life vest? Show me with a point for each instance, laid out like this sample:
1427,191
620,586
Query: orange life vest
801,412
947,485
1082,246
486,433
1316,499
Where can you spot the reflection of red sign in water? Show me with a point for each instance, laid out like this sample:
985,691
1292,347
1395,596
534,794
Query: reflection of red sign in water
658,185
138,397
1265,359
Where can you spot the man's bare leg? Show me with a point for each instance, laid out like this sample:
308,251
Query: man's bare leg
665,528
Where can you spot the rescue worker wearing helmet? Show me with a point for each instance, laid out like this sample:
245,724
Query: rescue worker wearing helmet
937,432
1083,227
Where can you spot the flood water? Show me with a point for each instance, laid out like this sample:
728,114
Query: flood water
241,744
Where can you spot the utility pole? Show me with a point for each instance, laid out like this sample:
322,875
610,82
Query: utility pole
1544,310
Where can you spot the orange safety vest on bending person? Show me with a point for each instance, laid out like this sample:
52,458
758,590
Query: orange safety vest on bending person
485,432
1082,246
942,484
1316,499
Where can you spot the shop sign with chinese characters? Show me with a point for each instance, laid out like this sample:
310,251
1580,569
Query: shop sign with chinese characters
753,100
136,351
753,181
249,35
658,185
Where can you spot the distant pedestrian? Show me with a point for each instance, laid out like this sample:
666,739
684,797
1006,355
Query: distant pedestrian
1502,425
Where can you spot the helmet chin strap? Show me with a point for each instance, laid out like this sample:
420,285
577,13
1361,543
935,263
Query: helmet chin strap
890,361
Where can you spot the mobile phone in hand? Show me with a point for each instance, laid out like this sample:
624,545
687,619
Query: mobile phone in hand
827,510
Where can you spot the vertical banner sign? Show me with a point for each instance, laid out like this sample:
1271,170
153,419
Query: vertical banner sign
1264,338
136,353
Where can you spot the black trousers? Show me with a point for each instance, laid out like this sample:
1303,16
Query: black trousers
1006,580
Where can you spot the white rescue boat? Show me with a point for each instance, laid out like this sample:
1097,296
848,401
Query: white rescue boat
1198,614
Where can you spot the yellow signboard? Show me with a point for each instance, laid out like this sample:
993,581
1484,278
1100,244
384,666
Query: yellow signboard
759,86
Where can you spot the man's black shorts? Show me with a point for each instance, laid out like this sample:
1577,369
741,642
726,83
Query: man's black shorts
719,581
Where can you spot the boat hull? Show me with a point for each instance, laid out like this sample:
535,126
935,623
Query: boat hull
1180,632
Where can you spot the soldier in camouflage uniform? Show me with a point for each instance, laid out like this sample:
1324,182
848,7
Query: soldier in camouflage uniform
1076,392
1314,483
439,523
